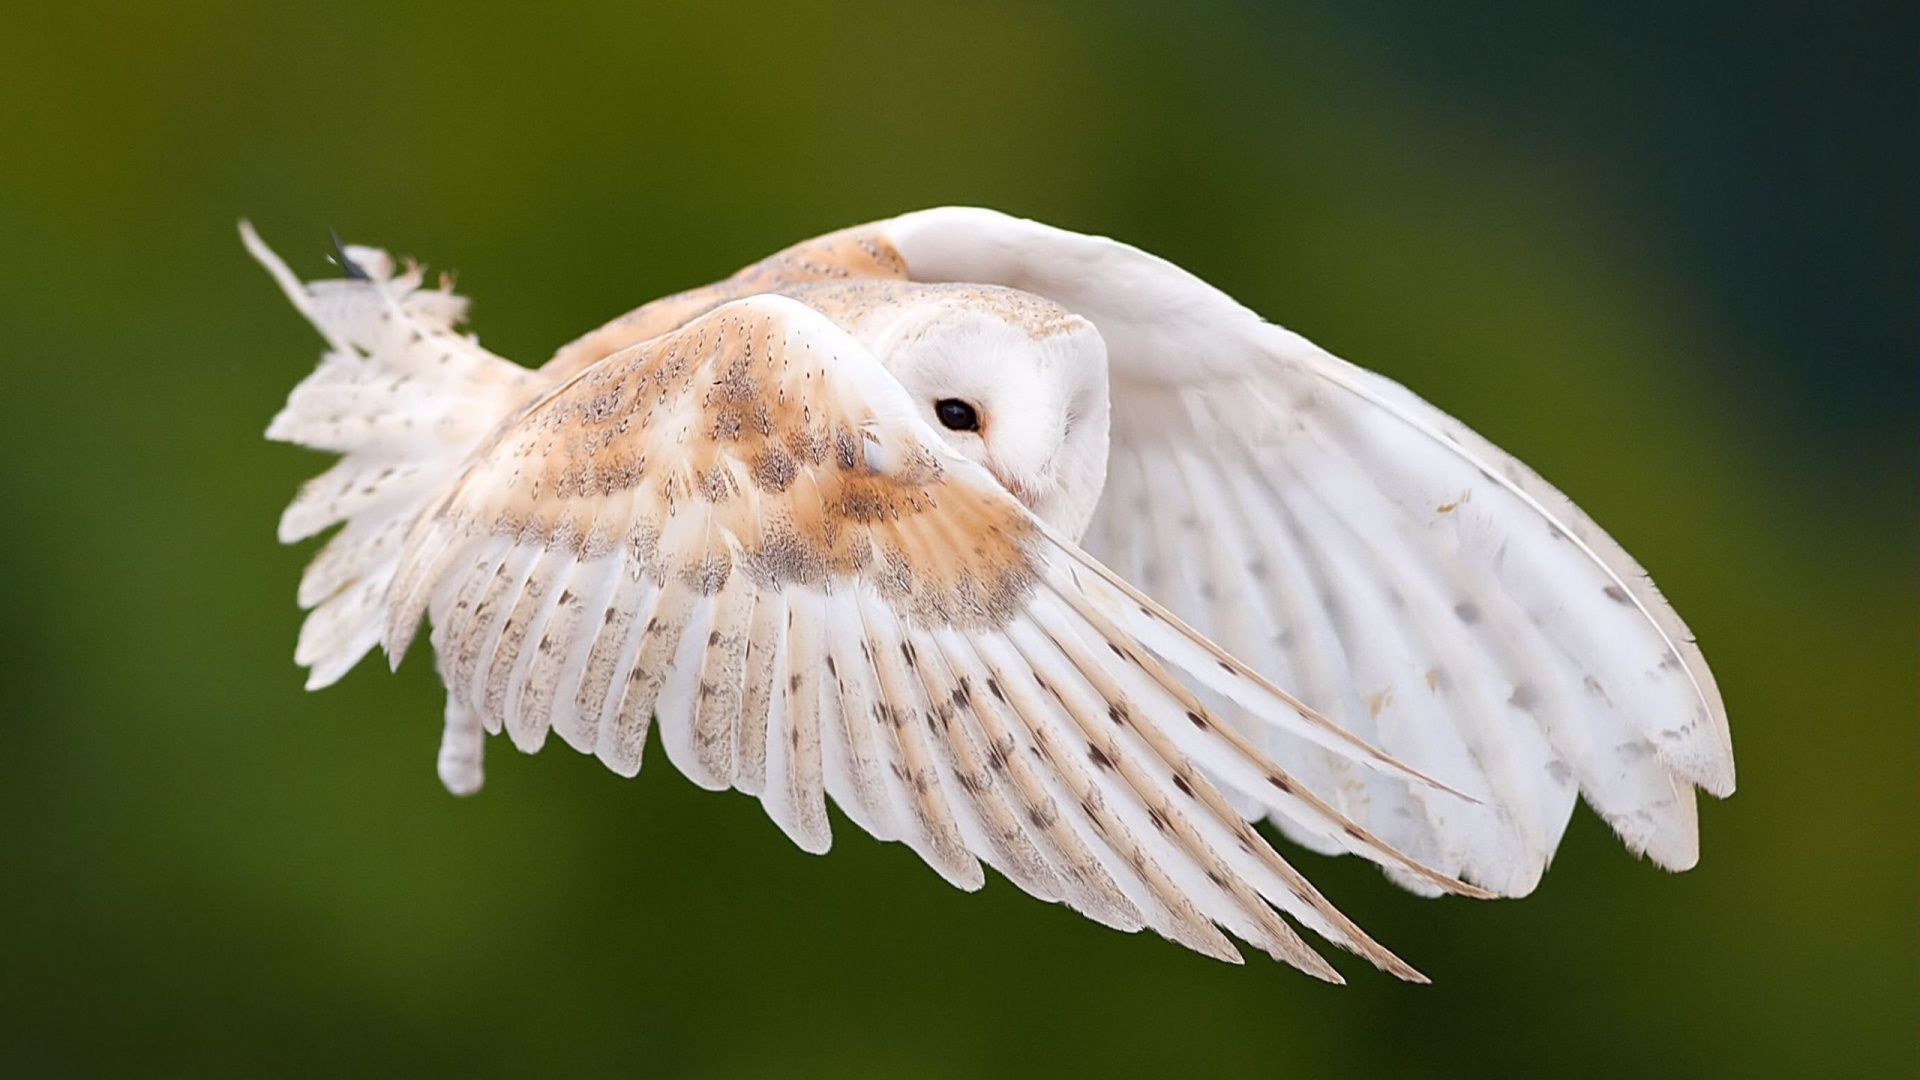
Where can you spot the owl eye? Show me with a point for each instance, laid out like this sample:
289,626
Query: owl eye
956,415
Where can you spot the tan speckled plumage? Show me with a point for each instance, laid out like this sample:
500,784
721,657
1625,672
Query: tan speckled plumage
858,254
728,420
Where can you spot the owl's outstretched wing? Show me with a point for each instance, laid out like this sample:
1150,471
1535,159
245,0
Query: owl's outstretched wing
1400,573
743,529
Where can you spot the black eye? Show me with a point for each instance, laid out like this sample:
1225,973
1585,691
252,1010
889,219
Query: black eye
956,415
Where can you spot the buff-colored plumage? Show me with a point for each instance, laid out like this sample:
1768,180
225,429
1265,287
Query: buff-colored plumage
733,514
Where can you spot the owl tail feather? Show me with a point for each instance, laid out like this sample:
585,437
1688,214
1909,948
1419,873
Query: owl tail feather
404,398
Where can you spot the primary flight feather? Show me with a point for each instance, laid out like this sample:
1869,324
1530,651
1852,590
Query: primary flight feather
1024,547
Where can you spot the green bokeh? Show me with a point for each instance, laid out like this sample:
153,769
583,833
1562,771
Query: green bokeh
204,870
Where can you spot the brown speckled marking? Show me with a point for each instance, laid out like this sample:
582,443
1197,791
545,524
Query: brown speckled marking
543,672
1272,934
472,630
856,253
784,496
1177,917
621,744
802,707
761,683
511,637
848,276
1088,885
716,718
862,738
940,841
954,737
1183,698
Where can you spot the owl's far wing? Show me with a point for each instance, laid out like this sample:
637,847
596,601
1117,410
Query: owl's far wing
743,529
1400,573
849,253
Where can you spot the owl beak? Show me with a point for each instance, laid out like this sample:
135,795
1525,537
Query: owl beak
1014,487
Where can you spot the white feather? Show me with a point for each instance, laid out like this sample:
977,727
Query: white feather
796,788
849,747
405,399
1352,496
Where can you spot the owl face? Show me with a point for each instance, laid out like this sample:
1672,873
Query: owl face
1030,407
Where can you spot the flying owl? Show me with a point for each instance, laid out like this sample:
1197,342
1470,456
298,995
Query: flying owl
1028,548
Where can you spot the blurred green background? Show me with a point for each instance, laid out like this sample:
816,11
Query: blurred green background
1667,256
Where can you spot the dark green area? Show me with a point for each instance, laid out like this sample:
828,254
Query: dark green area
1667,260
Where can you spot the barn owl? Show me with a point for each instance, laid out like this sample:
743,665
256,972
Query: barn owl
1029,549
